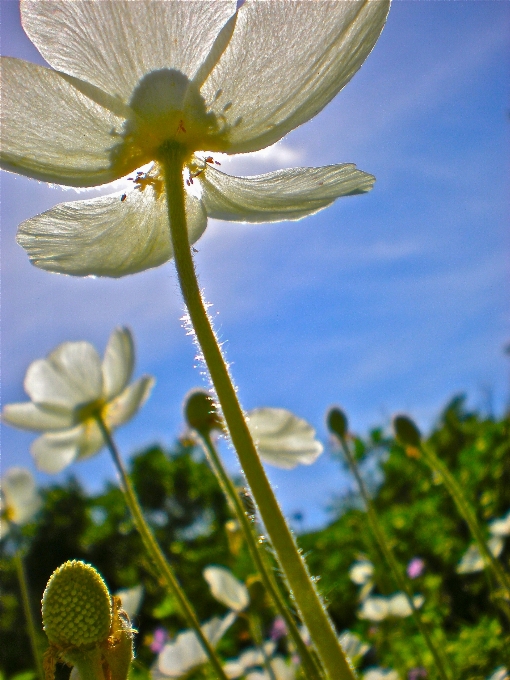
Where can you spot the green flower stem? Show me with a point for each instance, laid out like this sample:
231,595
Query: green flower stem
258,555
254,625
29,617
155,553
88,663
466,511
302,588
384,545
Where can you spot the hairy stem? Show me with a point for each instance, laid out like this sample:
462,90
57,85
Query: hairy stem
155,553
259,558
302,588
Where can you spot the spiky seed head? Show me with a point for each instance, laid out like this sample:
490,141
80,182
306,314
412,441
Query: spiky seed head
76,606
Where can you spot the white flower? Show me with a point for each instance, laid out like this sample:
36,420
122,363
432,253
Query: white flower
472,561
361,572
68,389
283,439
19,500
131,599
378,608
352,645
226,588
501,526
500,673
380,674
186,652
130,77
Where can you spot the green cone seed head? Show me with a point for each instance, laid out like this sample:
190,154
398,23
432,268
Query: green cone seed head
76,606
200,412
406,431
337,422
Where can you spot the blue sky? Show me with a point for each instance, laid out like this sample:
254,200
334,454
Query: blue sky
393,301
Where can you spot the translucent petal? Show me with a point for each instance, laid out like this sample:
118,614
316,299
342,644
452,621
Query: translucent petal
361,572
113,44
124,407
54,451
472,560
226,588
20,495
70,376
286,61
283,195
501,526
106,236
118,362
51,131
374,608
283,439
352,645
399,606
131,599
381,674
185,652
29,416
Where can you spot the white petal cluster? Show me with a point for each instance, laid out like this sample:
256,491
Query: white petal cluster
472,560
380,674
127,78
19,499
226,588
185,652
283,439
378,608
68,389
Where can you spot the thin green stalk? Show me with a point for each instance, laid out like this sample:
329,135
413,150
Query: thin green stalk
254,624
302,588
384,545
258,555
29,617
466,511
155,553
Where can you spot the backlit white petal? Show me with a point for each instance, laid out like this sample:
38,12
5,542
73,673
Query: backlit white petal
472,560
283,439
226,588
20,495
283,195
69,377
186,652
500,527
361,572
106,236
118,362
131,599
53,452
286,61
124,407
51,131
374,608
113,44
28,416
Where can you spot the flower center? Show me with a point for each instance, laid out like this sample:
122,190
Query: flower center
167,107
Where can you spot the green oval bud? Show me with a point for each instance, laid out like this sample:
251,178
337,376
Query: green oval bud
337,422
76,606
201,413
406,431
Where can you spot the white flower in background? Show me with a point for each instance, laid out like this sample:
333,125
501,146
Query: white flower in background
378,608
500,527
353,646
127,78
361,572
226,588
185,652
500,673
472,561
252,665
19,499
283,439
131,599
279,671
68,389
380,674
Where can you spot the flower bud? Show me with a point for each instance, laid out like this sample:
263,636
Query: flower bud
406,431
337,422
76,606
201,413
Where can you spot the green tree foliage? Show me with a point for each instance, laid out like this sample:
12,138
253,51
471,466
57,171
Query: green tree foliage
187,511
